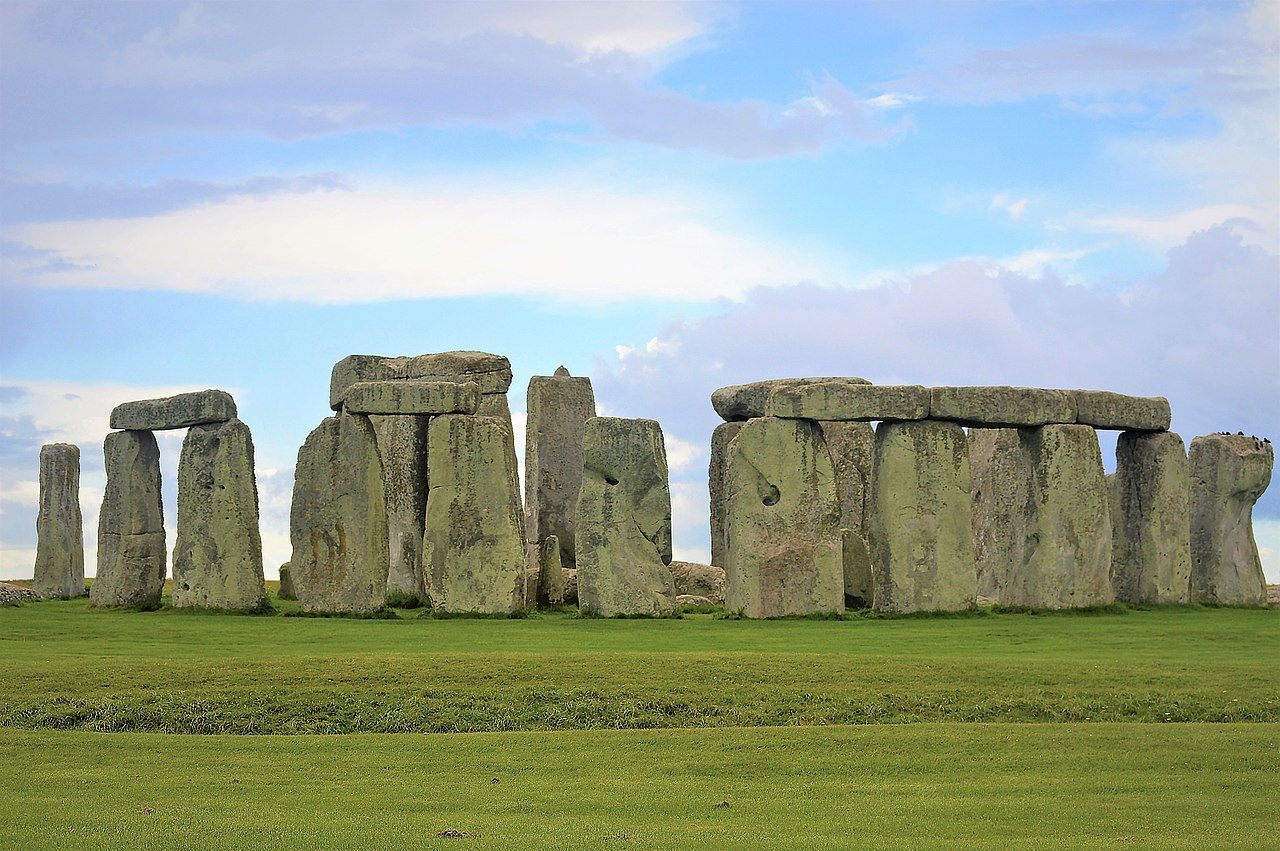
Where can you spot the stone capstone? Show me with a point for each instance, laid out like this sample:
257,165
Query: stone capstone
720,439
1151,519
842,401
411,397
741,402
402,449
131,548
1106,410
59,526
181,411
1001,407
558,408
1228,474
491,373
699,580
286,591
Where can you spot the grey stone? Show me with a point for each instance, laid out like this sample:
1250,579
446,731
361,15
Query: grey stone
558,408
851,446
849,402
699,580
402,448
338,523
720,440
1151,519
624,519
1001,407
919,524
131,549
411,397
550,579
59,524
783,522
1228,474
491,373
570,585
181,411
859,578
286,590
741,402
1000,475
1107,410
14,594
690,601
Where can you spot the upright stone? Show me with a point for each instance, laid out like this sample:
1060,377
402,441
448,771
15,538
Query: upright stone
59,525
624,520
1228,474
782,522
720,440
919,524
217,560
850,445
1151,519
473,546
131,550
286,591
338,522
1001,495
558,409
550,573
402,448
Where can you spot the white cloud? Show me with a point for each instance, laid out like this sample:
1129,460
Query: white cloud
25,493
1169,230
892,100
1009,205
1266,531
690,516
681,453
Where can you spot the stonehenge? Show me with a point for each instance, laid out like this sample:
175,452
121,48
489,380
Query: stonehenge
558,407
131,546
59,568
402,449
1228,474
1151,519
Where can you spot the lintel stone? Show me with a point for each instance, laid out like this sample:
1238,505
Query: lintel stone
741,402
492,373
1002,407
180,411
411,397
845,402
1116,411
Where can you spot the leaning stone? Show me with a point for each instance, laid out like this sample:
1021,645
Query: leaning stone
402,448
1106,410
1228,474
473,546
1000,475
217,560
550,579
286,590
181,411
720,440
624,519
1001,407
131,550
491,373
59,525
849,402
338,523
782,522
558,408
741,402
919,525
411,397
700,580
1151,519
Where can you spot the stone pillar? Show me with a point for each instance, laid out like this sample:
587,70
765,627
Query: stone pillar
1228,474
624,519
286,591
850,445
720,440
1151,519
1001,495
217,560
919,524
550,581
782,521
59,525
558,409
131,547
402,448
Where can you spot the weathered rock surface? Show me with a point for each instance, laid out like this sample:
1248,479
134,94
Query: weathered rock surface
699,580
782,522
181,411
550,578
741,402
13,594
1151,519
720,440
473,547
570,585
624,519
131,551
1000,477
402,449
558,408
851,446
491,373
919,523
411,397
286,591
689,601
1107,410
1001,407
1228,474
842,401
338,523
59,524
859,578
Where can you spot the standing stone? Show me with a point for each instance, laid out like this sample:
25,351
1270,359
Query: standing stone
131,550
624,520
782,522
550,591
919,524
720,440
1228,474
217,560
850,445
286,590
1151,519
558,409
59,525
473,546
1001,495
338,523
402,448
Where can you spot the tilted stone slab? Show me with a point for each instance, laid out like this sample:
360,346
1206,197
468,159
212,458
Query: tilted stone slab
217,559
558,408
1002,407
181,411
402,448
491,373
741,402
849,402
411,397
1116,411
59,524
624,519
131,550
1228,474
1151,519
1000,476
720,440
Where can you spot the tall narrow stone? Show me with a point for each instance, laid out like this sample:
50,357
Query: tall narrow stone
850,445
473,546
402,448
624,519
1001,495
1228,474
1151,519
217,560
782,522
131,550
59,525
919,524
558,409
286,591
720,439
338,523
550,590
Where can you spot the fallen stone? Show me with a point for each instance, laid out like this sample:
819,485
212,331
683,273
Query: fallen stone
411,397
1000,475
624,520
720,440
1151,519
741,402
402,449
131,548
181,411
1001,407
1228,474
59,568
217,559
12,594
558,408
694,601
1106,410
491,373
286,590
849,402
550,588
699,580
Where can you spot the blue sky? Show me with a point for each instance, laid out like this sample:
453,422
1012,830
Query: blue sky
665,197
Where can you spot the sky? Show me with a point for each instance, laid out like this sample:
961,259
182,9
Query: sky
666,197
